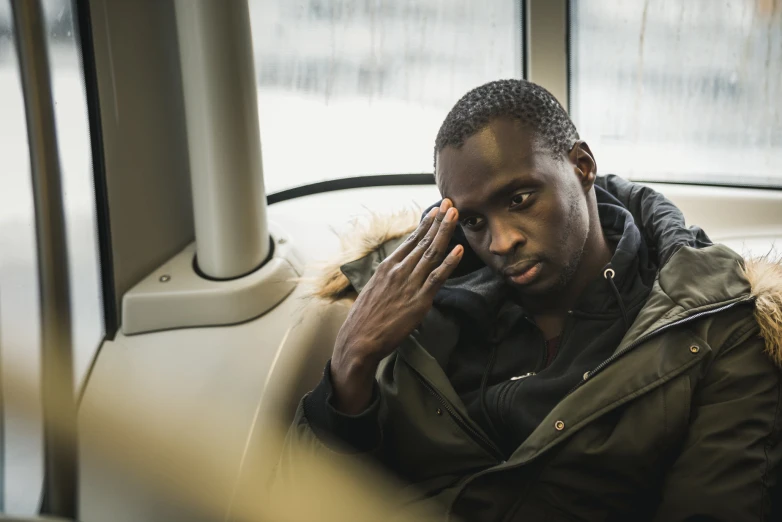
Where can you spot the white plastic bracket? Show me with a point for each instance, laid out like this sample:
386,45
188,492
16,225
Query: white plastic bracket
176,296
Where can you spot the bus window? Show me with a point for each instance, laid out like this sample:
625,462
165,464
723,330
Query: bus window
350,88
22,451
73,135
684,91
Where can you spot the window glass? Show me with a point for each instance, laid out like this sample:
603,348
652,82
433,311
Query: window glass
360,87
680,90
19,305
73,139
19,302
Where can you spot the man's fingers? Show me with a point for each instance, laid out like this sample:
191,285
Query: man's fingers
413,258
437,247
440,274
413,239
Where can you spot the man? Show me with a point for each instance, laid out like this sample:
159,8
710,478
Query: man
549,345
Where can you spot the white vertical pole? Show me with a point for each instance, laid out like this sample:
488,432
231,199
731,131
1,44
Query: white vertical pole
218,79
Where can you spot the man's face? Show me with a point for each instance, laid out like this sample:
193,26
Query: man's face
524,212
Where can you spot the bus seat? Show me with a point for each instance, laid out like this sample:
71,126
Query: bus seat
296,369
301,357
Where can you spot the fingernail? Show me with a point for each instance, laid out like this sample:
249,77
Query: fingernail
449,214
445,205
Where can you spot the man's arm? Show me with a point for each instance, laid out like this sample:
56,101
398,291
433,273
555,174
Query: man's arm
731,457
395,300
341,415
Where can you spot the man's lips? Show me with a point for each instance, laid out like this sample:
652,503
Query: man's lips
523,272
519,268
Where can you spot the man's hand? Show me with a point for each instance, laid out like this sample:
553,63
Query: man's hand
393,303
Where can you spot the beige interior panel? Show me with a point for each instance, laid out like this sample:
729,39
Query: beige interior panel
144,135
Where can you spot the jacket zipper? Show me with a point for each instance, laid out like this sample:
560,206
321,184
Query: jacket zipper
600,367
484,442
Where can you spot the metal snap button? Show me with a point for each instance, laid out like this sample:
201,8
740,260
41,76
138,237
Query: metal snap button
559,425
695,348
439,411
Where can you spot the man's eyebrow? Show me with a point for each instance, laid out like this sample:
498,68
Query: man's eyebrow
511,185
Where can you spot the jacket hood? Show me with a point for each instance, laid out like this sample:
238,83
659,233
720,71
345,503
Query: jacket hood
765,277
365,238
661,224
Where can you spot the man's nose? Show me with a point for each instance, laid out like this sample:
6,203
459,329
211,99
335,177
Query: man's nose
505,239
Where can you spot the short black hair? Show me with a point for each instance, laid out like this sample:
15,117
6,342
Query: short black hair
531,104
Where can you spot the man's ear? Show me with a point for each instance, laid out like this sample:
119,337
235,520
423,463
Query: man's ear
584,164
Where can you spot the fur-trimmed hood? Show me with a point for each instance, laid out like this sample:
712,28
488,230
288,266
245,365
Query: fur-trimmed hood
374,237
362,237
765,276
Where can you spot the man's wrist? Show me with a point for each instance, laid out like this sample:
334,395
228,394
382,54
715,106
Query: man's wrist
353,381
340,431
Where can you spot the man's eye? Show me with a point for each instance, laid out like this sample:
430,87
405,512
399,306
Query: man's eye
470,222
519,199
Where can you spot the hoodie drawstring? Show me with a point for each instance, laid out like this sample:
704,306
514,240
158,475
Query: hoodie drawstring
609,274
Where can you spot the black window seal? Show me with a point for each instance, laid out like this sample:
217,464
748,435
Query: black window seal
83,27
383,180
392,180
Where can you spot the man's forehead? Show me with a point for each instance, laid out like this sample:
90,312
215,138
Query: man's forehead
485,145
501,141
468,168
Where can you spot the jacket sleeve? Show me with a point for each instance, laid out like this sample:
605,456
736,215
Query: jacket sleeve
730,459
348,433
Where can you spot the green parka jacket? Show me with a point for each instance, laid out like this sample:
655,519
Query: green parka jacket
682,422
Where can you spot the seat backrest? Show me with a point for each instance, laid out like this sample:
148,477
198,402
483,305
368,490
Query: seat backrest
301,357
297,368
